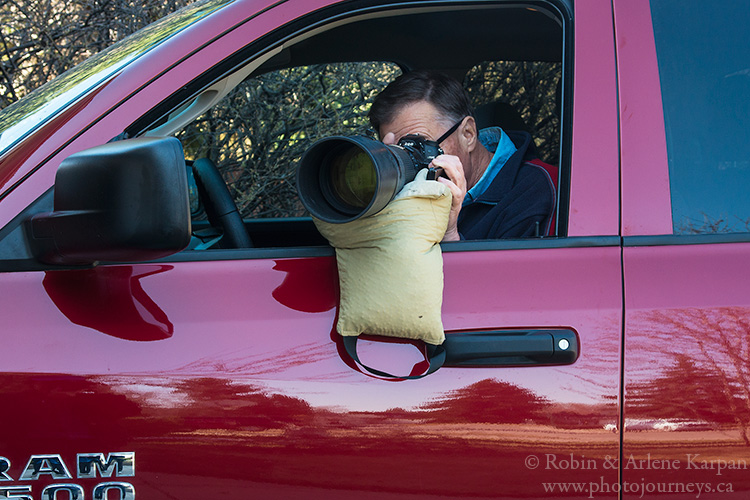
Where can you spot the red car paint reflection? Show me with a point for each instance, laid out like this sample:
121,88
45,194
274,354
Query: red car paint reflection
111,300
254,436
307,287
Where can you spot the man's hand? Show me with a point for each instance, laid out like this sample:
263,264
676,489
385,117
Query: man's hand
454,179
456,182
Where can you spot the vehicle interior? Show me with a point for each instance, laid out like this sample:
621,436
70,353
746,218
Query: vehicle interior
245,124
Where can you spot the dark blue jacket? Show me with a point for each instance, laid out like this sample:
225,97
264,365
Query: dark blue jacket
521,196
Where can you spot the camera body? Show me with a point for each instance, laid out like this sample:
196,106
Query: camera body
422,151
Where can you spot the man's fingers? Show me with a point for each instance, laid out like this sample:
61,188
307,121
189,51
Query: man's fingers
457,192
453,169
389,139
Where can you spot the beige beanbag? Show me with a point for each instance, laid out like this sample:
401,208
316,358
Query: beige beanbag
391,267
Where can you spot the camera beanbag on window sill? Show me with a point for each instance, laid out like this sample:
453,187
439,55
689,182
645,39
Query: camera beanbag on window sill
391,267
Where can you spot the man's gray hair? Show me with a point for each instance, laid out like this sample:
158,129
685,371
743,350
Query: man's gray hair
439,89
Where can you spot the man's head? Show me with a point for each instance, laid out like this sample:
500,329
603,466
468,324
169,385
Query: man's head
429,104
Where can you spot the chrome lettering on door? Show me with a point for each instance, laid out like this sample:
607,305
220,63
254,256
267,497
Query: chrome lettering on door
53,467
40,465
121,464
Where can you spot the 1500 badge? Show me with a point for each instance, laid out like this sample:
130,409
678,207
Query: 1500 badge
88,466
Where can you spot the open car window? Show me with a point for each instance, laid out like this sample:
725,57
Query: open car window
320,84
257,134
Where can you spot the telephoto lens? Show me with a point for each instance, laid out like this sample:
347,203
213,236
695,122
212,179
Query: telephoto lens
341,179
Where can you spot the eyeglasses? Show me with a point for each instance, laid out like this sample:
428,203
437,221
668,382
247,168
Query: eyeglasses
450,131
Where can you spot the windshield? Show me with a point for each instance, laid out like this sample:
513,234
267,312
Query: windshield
22,117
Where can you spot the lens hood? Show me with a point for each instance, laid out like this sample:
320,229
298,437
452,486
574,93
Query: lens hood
319,184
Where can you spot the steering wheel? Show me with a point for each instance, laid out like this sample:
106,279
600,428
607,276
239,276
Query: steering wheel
220,207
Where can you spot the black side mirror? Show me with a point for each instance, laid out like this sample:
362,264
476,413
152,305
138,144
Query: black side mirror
125,201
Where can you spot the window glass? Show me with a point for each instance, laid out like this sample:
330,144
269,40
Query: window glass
704,64
257,134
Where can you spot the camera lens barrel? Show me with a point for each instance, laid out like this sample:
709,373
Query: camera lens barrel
344,178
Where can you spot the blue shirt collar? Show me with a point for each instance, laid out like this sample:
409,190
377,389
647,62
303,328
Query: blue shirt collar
497,141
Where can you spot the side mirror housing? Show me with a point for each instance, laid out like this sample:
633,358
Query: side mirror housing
124,201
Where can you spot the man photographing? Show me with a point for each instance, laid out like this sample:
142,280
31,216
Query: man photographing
496,192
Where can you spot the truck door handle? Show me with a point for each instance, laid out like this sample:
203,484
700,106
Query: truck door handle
537,347
511,347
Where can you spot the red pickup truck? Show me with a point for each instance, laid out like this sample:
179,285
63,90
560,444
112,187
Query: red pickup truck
148,348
